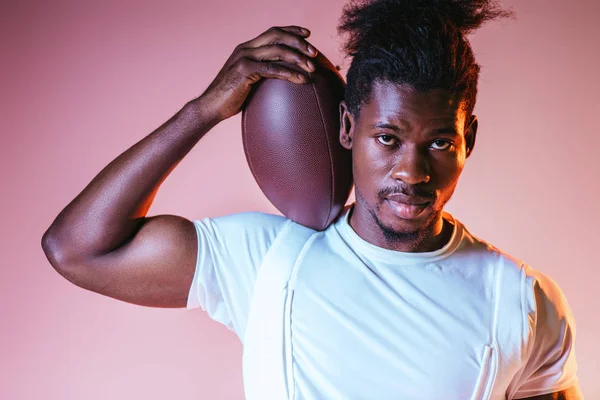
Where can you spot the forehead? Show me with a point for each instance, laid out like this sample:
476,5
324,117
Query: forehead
402,103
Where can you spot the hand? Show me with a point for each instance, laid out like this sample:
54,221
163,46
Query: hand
254,60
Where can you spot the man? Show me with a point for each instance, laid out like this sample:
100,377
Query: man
396,299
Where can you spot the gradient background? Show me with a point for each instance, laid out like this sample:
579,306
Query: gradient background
80,83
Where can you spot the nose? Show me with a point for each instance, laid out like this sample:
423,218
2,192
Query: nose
412,166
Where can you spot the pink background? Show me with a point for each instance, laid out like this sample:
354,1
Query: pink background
82,83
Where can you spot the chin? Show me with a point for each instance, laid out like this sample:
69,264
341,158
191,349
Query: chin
402,226
388,220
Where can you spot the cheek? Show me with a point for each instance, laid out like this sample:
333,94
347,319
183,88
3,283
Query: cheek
366,168
447,173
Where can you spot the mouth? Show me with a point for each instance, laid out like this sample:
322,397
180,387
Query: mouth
407,207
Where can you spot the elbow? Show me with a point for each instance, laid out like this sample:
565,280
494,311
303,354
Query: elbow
51,248
55,253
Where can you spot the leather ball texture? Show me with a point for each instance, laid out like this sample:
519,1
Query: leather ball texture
290,133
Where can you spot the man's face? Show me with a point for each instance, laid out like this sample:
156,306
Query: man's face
408,150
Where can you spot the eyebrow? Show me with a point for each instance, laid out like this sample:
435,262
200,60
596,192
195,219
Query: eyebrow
444,131
440,131
384,125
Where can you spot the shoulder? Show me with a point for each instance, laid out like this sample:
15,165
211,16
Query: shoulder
484,253
251,225
250,220
548,314
540,293
240,236
247,234
545,301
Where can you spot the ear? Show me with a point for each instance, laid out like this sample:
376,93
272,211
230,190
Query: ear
471,134
346,126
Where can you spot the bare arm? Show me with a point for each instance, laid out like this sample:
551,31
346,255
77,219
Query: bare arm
572,393
103,241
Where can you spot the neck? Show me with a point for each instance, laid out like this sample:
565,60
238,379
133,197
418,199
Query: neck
431,237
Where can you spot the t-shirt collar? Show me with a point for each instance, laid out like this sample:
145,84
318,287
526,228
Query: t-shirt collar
358,244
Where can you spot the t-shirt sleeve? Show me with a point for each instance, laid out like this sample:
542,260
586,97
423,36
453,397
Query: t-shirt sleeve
230,251
550,351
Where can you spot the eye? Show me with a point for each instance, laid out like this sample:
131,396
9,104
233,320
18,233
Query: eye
386,140
441,145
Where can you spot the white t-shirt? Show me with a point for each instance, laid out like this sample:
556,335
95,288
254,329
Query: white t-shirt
350,320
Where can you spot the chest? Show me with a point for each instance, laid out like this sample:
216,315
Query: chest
370,329
335,326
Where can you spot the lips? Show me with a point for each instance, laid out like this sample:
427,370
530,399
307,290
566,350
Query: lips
410,200
407,207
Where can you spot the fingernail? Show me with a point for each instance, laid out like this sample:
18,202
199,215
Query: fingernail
310,65
312,50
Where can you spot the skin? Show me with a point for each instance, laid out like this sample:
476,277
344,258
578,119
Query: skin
104,241
410,142
572,393
421,151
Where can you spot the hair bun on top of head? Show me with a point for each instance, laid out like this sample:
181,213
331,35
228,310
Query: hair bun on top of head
365,20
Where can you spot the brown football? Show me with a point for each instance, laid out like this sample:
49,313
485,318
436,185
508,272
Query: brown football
290,133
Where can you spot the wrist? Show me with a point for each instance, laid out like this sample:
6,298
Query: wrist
202,112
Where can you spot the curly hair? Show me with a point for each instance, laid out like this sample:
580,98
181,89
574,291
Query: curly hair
421,43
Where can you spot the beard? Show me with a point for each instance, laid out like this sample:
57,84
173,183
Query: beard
414,238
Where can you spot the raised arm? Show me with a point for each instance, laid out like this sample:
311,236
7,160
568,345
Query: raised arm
103,241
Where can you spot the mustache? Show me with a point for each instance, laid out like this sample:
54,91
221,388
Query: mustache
410,191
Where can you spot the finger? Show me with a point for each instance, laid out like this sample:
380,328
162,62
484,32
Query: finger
280,52
277,35
296,29
255,70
